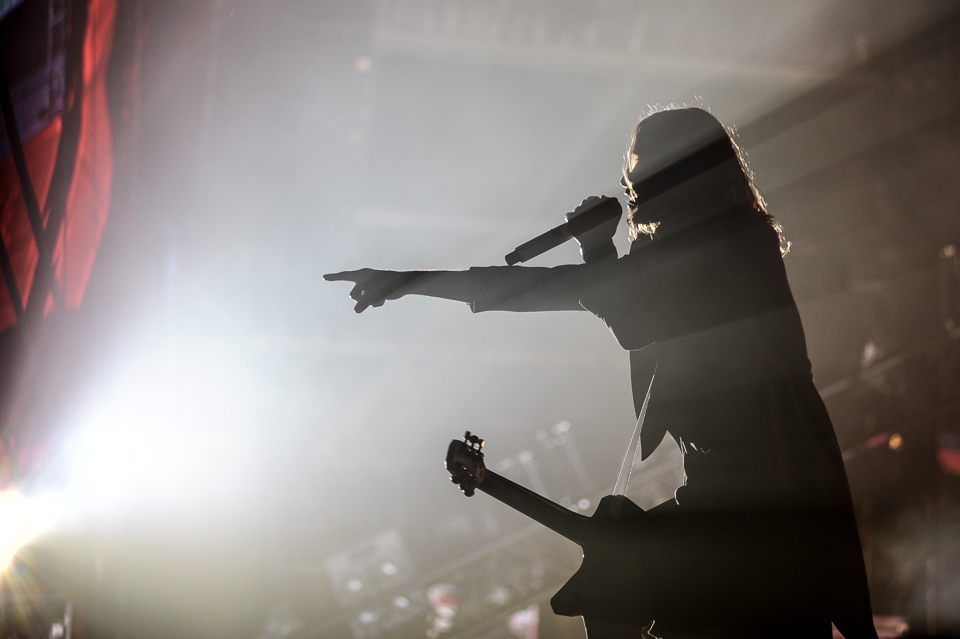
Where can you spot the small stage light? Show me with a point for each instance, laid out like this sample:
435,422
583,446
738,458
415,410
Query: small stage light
354,585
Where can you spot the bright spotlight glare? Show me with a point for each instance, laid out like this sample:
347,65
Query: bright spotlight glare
110,459
10,526
146,440
149,442
20,521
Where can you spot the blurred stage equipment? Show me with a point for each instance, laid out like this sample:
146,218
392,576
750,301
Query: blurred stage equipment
387,612
525,623
593,228
559,438
897,425
282,622
950,289
370,567
32,615
372,579
499,585
485,587
558,470
443,603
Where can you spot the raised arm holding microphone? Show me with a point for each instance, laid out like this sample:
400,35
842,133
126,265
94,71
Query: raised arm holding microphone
763,541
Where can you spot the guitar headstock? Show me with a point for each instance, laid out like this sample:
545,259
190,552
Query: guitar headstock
465,463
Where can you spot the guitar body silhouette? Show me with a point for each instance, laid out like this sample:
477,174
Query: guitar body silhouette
612,583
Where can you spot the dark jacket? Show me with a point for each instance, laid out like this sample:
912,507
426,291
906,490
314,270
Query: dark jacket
763,535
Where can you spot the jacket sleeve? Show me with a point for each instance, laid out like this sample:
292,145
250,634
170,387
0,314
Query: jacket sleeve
529,289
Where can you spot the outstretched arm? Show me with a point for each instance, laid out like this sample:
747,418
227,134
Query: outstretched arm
507,288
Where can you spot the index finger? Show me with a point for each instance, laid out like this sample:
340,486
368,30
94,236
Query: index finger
342,276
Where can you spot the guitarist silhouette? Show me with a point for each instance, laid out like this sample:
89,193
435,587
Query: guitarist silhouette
761,540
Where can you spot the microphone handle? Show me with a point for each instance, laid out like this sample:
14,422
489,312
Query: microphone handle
540,244
607,209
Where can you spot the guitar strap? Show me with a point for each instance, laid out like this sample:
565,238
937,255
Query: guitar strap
628,460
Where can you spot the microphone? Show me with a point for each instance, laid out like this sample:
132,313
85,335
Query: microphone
593,227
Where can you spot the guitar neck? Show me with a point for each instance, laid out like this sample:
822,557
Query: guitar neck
571,525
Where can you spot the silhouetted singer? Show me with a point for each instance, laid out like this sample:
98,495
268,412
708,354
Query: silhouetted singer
761,540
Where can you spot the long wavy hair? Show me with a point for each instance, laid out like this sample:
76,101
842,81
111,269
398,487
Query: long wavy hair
686,130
